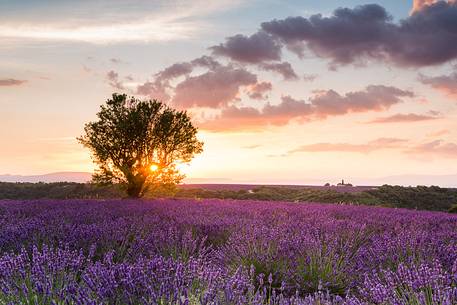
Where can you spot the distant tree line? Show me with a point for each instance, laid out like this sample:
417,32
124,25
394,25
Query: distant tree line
57,190
432,198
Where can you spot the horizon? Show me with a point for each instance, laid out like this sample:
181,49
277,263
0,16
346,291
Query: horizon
280,91
414,180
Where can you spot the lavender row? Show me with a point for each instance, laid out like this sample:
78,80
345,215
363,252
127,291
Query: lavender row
224,252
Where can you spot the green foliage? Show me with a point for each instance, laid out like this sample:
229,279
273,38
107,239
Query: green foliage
58,190
263,260
453,208
283,193
325,268
422,198
131,135
160,190
319,271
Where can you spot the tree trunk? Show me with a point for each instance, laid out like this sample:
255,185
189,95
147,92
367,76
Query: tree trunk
135,188
133,191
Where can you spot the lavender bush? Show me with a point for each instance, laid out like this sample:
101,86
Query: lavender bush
224,252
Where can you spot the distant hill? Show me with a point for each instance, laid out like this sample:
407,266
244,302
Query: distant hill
82,177
79,177
218,183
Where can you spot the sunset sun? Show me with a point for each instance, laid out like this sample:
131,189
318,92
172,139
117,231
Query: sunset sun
153,167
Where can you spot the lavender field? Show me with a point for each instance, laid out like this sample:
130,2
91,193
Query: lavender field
224,252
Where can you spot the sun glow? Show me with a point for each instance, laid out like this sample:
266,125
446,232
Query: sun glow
153,167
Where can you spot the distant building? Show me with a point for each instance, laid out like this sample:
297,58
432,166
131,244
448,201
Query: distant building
343,184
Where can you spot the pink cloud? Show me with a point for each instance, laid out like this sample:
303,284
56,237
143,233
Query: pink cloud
373,98
154,90
309,77
323,105
404,118
116,61
418,5
438,133
437,148
113,80
287,110
174,71
258,91
284,69
446,84
7,82
160,87
215,88
375,145
235,119
257,48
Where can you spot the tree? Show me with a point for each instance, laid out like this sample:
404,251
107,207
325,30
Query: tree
139,143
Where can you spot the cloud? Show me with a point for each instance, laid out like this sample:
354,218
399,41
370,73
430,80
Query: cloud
215,88
309,77
284,68
121,21
234,118
342,37
404,118
257,48
258,91
87,69
154,90
160,87
425,38
375,145
139,31
112,76
113,80
252,146
446,84
373,98
320,106
174,71
116,61
437,148
420,4
438,133
288,109
7,82
185,68
206,62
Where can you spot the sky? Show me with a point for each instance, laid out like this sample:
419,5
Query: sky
299,92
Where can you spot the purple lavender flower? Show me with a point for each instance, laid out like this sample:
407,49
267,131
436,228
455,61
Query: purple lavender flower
224,252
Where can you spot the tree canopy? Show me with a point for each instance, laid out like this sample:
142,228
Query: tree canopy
139,143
